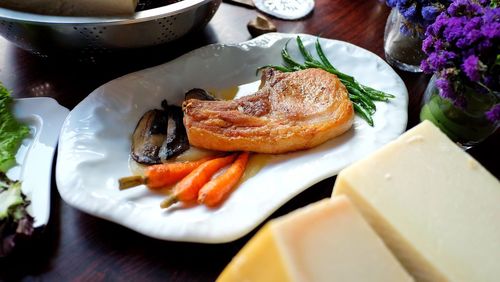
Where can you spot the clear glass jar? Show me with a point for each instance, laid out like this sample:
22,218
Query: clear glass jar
467,126
403,50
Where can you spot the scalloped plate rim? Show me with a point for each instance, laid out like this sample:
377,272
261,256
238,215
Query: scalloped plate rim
72,188
44,116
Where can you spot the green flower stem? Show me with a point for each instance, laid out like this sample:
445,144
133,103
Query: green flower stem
461,126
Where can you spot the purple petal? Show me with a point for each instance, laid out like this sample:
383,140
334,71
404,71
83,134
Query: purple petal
493,114
471,68
429,13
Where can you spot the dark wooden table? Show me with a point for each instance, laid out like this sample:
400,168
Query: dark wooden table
77,246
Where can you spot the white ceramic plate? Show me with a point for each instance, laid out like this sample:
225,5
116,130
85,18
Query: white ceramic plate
95,140
285,9
44,116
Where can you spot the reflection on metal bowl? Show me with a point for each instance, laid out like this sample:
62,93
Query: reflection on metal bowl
44,34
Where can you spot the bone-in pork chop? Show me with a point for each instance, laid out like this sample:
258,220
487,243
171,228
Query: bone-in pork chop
291,111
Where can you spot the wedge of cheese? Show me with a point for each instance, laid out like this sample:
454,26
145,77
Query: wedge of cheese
325,241
73,7
435,207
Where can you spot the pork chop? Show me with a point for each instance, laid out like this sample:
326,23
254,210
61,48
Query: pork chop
291,111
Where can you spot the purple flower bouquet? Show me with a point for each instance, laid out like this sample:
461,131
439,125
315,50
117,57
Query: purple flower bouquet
405,30
463,53
418,14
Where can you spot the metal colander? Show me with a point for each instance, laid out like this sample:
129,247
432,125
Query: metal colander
44,34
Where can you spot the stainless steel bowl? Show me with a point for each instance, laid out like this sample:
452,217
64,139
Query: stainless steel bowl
44,34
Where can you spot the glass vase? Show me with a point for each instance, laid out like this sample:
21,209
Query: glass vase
403,43
466,125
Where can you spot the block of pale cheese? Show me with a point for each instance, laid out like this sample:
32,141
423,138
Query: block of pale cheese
435,207
325,241
73,7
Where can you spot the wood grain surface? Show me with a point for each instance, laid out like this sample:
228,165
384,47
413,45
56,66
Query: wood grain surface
79,247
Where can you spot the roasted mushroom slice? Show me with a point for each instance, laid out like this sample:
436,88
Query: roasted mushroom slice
260,25
149,136
177,141
200,94
160,134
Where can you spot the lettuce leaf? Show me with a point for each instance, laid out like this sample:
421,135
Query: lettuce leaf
12,132
15,221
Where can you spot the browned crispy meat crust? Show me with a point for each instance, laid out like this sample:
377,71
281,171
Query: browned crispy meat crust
291,111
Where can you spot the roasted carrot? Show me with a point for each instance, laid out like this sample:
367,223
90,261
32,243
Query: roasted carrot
161,175
217,189
187,189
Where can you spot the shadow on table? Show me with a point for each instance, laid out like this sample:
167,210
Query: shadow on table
69,78
32,257
120,252
77,246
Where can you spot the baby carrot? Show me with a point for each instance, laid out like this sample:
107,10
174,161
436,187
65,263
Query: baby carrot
216,190
187,189
161,175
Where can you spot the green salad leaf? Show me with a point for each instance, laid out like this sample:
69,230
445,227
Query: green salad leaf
15,221
12,132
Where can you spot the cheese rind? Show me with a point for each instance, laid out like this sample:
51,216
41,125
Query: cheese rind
436,208
325,241
259,260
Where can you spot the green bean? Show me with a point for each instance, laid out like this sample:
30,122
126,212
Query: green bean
342,76
322,56
377,93
307,56
364,115
288,59
362,96
370,106
280,68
